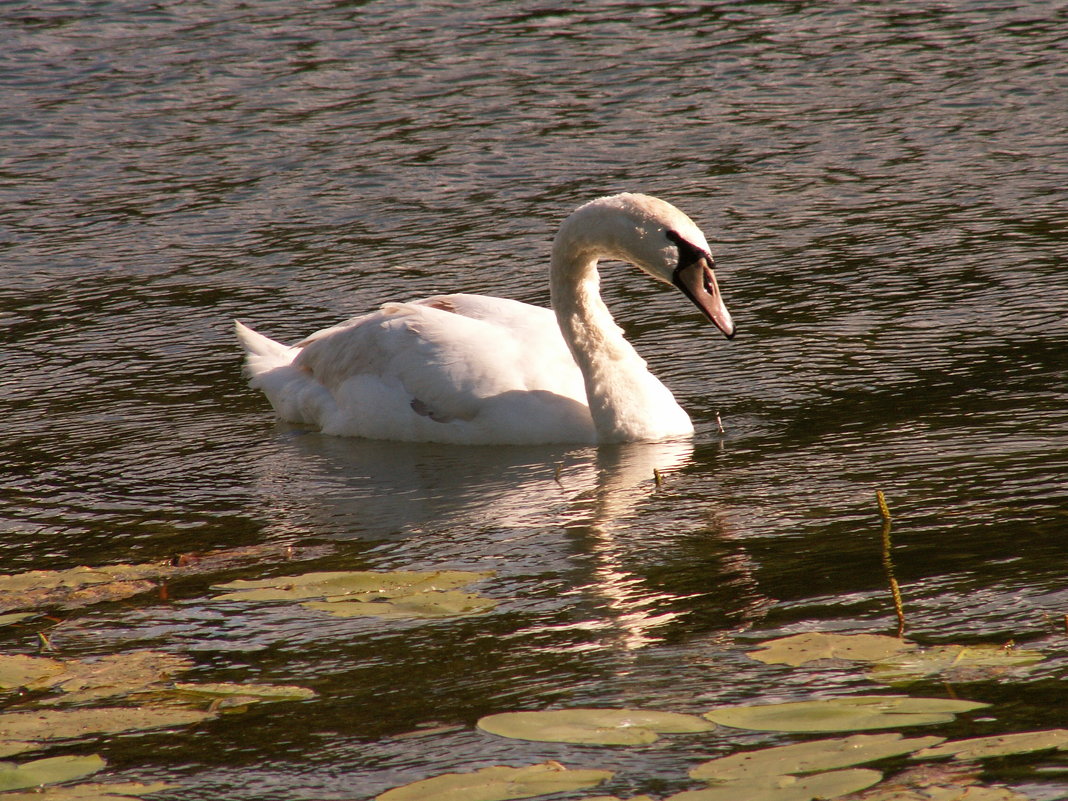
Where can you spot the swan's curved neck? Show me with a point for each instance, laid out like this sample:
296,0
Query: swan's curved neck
625,400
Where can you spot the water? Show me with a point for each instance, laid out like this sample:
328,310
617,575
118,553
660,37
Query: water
883,186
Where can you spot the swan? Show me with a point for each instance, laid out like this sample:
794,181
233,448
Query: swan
473,369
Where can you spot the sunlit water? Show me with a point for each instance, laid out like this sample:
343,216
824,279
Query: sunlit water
884,187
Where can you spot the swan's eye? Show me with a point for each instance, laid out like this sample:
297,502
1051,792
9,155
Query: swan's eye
688,253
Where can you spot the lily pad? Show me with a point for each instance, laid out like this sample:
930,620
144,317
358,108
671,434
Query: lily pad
949,793
592,726
114,675
82,586
430,603
362,584
62,724
21,670
998,745
403,594
12,747
939,782
812,646
248,693
809,757
70,589
122,791
47,771
952,663
498,784
854,713
786,788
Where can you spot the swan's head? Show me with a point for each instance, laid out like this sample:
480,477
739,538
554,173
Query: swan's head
655,236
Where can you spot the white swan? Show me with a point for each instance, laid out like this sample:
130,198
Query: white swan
472,369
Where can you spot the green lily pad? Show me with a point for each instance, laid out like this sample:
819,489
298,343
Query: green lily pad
855,713
592,726
998,745
952,663
425,604
248,693
786,788
498,784
20,670
362,584
47,771
122,791
809,757
62,724
812,646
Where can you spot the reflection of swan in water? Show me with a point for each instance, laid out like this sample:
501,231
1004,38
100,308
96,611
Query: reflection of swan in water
631,610
607,525
368,489
471,369
583,516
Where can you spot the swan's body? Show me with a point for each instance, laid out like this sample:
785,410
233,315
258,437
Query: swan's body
473,369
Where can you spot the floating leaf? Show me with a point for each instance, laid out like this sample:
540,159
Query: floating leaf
70,589
114,675
430,603
948,793
998,745
15,617
952,662
123,791
362,584
939,782
591,726
856,713
47,771
12,747
498,784
62,724
798,649
82,586
809,757
20,670
786,788
248,692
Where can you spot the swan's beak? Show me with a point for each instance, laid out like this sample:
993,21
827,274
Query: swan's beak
698,282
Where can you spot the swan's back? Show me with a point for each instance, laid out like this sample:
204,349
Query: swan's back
453,368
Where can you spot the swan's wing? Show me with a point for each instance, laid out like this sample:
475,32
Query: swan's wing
446,359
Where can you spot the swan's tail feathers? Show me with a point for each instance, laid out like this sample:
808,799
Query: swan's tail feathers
262,354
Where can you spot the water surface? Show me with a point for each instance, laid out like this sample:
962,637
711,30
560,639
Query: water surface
883,185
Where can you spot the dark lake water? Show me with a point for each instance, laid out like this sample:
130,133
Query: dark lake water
884,188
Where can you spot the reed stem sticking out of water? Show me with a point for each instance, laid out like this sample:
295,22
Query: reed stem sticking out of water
895,590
